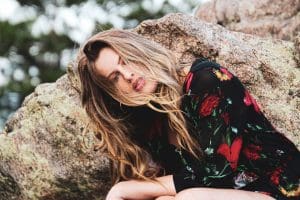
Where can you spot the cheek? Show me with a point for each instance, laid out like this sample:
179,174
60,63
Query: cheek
151,87
123,86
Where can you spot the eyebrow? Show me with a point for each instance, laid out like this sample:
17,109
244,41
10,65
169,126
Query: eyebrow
111,73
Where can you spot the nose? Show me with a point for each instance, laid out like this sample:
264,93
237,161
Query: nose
128,75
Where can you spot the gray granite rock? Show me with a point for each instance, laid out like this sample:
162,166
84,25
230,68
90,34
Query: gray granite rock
45,152
267,18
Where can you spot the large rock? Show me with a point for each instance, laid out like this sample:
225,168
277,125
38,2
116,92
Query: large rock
46,154
275,18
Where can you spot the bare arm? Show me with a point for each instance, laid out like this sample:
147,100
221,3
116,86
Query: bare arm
134,189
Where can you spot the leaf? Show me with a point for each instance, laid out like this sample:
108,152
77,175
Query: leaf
234,129
228,139
258,127
214,113
209,151
229,101
217,129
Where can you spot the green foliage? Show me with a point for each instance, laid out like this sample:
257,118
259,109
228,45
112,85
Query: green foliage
13,36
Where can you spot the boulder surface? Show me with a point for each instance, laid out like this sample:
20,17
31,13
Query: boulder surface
266,18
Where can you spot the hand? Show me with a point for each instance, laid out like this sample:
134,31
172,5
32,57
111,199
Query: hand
115,193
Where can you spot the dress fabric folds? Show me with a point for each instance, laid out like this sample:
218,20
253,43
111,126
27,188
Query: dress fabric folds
241,149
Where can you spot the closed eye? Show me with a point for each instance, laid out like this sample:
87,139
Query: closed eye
116,76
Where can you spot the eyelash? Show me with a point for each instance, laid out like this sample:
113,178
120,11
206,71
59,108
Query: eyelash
116,76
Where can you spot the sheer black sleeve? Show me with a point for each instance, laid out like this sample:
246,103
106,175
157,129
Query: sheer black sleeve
240,145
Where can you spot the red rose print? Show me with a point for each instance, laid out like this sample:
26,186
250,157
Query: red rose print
248,100
222,74
225,117
231,153
225,71
189,80
275,175
252,151
208,105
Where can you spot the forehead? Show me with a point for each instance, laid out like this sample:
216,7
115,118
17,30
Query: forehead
106,61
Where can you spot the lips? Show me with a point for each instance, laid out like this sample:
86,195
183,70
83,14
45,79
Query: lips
139,84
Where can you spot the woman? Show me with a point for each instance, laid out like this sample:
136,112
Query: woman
180,133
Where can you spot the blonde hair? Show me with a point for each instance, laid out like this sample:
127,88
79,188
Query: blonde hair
102,100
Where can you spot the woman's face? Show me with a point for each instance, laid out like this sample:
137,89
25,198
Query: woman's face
127,78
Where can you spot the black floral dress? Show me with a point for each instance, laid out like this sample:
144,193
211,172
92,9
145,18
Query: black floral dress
241,148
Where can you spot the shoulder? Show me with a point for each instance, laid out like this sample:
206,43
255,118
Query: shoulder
201,63
205,74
